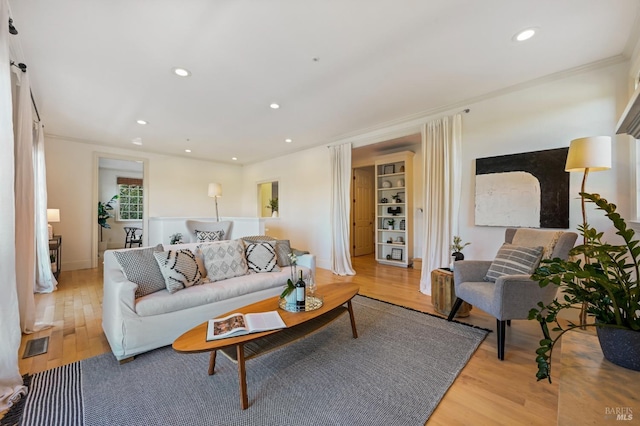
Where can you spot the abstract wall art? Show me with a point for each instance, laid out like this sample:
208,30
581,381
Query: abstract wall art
530,189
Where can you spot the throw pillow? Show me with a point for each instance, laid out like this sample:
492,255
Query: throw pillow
261,257
209,236
514,260
179,269
283,249
536,237
224,259
140,267
257,239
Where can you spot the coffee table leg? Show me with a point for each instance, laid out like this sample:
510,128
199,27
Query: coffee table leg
212,362
353,320
242,377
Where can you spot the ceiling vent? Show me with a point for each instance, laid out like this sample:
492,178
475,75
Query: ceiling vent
629,123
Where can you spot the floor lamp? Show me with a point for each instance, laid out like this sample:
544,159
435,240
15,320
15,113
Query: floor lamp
591,154
215,191
53,216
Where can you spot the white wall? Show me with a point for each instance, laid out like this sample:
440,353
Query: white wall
304,194
177,187
547,116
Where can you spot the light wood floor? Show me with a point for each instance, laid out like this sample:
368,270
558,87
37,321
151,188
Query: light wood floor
487,392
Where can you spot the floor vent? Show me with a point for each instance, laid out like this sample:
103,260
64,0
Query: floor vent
36,347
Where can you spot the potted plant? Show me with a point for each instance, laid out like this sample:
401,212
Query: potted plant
390,223
456,248
273,205
104,213
605,279
175,238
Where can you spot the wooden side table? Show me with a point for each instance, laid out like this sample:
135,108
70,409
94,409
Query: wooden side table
443,294
55,251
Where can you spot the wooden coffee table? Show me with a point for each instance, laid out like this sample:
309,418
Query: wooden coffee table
299,324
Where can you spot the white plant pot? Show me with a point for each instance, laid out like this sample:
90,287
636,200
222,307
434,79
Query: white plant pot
274,214
390,228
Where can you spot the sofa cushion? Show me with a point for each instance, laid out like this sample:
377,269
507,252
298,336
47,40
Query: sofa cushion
162,302
514,260
224,259
140,267
261,257
179,269
209,236
258,239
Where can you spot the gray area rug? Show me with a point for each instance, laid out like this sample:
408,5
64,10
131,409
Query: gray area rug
395,373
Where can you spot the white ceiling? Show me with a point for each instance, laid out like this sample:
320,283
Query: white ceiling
98,66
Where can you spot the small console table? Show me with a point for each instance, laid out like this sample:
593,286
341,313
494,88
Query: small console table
55,250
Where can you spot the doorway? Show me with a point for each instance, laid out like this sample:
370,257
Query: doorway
363,211
126,177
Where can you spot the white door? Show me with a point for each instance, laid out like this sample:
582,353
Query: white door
363,211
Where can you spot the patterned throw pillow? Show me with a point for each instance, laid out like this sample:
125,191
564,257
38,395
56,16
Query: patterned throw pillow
261,257
140,267
258,239
224,259
514,260
179,269
209,236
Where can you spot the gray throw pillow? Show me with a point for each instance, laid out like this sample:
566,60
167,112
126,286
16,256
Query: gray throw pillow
224,259
283,249
140,267
514,260
179,269
261,257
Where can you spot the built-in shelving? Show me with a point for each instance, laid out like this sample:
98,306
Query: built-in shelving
394,193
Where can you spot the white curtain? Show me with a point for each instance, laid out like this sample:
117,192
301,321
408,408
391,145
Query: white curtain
441,147
45,281
24,203
11,387
340,209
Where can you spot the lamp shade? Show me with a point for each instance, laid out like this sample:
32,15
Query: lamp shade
53,215
215,190
593,153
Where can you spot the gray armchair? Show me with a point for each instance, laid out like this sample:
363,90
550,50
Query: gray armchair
510,296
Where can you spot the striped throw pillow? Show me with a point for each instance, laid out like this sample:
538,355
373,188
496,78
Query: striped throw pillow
514,260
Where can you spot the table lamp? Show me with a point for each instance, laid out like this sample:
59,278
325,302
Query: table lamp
215,191
53,216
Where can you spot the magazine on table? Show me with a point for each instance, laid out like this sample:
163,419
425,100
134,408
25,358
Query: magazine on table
237,324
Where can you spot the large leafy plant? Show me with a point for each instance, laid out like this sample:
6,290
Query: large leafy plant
104,213
604,278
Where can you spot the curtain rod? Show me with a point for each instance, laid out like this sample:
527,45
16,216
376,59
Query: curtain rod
23,68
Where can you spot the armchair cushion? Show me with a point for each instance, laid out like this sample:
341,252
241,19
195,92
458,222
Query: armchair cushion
536,237
514,260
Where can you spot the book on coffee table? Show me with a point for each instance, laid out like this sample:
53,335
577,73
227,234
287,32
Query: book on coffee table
237,324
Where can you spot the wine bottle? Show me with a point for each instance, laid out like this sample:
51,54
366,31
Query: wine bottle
300,294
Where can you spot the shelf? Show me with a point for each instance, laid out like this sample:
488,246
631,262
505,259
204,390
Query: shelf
391,175
391,230
393,244
391,189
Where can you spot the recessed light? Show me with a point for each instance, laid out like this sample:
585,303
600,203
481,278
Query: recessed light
288,140
234,158
182,72
274,106
142,122
525,34
187,150
137,141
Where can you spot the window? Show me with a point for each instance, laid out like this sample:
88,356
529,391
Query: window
130,202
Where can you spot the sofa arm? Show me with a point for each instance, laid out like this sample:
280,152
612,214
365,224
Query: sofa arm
308,261
470,270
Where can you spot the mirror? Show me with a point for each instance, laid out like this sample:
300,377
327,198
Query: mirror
268,202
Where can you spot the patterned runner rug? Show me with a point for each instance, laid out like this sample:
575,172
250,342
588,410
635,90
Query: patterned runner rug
395,373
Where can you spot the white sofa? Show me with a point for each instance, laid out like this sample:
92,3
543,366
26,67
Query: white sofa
134,326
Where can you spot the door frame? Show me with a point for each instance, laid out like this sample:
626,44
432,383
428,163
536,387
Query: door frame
95,192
